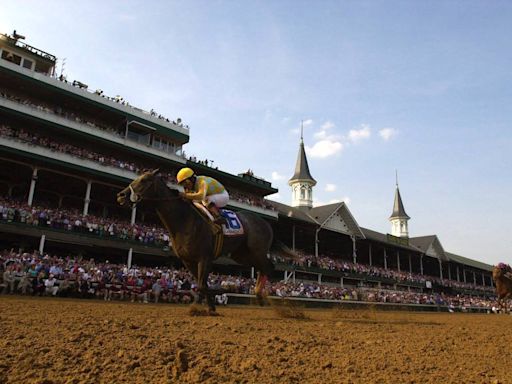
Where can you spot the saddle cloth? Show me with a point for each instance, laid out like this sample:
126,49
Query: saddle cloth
233,226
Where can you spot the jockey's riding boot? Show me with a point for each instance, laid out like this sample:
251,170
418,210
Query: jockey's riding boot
217,217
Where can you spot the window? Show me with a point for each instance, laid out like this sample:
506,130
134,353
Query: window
9,56
27,64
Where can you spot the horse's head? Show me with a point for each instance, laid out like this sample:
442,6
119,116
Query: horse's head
138,188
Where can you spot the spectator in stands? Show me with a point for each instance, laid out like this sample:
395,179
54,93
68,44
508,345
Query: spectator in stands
38,287
50,287
156,290
8,280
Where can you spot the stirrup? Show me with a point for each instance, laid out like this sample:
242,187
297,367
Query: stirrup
220,220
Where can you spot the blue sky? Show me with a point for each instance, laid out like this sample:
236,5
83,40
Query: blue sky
421,87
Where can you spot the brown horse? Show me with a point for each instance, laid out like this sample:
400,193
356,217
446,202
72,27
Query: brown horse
192,236
503,287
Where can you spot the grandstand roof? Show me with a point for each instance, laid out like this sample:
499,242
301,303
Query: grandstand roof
398,207
384,238
301,167
319,216
430,245
323,213
470,262
292,212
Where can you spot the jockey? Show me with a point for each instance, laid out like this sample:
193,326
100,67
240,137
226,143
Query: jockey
206,189
507,270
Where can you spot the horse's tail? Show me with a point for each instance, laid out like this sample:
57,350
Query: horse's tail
281,249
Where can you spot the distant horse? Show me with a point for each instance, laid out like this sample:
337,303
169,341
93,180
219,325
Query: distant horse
193,238
503,287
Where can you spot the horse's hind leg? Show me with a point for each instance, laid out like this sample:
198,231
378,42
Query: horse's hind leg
265,268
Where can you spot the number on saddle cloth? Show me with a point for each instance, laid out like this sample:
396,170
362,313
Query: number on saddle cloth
232,219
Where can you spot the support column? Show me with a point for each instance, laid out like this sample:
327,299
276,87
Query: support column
341,282
370,253
421,264
354,250
293,237
134,214
474,278
458,277
319,278
449,272
130,255
385,259
252,272
316,242
398,260
440,269
32,187
41,244
410,264
59,205
87,198
464,275
483,279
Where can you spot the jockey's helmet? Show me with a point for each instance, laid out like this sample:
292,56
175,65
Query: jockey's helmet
184,174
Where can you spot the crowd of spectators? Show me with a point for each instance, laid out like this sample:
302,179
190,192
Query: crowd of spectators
12,210
120,100
107,160
31,273
323,262
58,111
79,152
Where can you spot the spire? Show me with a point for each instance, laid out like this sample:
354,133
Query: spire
398,206
301,166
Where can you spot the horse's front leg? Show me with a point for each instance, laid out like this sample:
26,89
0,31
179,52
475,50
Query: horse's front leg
192,267
203,270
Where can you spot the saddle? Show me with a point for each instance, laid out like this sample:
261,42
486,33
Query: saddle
232,227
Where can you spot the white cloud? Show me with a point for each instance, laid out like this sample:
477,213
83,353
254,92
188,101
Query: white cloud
325,148
327,125
355,135
307,123
323,133
387,133
330,188
276,176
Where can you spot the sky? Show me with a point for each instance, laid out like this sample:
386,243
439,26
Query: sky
421,88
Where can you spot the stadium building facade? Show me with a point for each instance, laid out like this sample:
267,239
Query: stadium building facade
66,151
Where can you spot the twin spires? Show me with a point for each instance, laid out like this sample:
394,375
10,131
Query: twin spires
302,182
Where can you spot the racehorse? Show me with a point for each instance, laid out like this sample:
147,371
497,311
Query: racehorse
503,287
193,236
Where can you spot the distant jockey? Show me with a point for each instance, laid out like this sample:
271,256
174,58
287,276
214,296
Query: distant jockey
507,270
205,189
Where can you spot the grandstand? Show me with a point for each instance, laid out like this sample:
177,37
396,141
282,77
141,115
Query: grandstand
67,150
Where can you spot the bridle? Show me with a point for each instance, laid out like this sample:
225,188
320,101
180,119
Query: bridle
137,197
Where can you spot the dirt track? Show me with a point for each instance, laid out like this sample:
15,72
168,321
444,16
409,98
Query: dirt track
69,341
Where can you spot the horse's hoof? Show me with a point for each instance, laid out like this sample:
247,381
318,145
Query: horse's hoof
213,313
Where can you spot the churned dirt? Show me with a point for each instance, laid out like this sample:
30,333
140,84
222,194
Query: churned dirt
50,341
